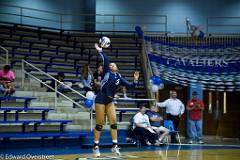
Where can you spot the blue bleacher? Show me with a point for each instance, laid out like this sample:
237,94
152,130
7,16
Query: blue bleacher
74,45
36,123
18,110
6,136
67,53
9,98
24,123
47,64
43,134
76,72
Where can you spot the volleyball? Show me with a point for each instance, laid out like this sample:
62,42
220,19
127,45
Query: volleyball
104,42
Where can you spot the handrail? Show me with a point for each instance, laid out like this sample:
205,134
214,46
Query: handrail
147,69
135,99
98,14
25,72
19,15
40,10
56,81
217,24
7,56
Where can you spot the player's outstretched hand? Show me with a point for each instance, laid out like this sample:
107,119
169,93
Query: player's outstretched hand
136,76
99,49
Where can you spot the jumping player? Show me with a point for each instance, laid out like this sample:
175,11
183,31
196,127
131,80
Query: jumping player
104,101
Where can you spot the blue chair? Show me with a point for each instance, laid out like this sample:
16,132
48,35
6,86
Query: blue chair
169,125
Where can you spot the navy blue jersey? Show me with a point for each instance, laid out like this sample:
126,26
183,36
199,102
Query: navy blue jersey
112,81
152,114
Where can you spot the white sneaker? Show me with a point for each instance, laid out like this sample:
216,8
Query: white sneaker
115,150
161,140
148,143
157,143
116,96
190,142
96,152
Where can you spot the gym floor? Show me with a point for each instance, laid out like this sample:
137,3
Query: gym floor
166,152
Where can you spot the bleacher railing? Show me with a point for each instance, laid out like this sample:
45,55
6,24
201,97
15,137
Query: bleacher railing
25,63
108,22
147,69
178,42
5,57
211,62
216,25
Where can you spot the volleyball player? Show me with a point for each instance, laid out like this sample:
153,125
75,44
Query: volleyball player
104,101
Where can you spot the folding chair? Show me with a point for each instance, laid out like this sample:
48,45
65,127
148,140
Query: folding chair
135,137
169,125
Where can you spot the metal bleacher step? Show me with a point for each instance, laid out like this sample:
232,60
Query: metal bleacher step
35,93
29,128
67,110
33,115
69,116
86,126
51,104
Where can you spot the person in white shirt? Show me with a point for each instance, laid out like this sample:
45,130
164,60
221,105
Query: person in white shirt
143,129
174,109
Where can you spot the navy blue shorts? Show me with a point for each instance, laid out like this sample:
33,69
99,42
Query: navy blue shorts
103,99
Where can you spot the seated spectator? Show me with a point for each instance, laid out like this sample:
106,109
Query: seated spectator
87,78
155,121
143,129
124,91
7,77
98,76
60,87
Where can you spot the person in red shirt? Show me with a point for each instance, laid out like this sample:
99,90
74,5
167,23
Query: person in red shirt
195,107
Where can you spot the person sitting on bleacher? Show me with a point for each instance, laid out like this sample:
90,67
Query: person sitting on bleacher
98,76
7,77
155,121
142,128
87,78
60,87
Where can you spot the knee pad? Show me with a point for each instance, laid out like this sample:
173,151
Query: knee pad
114,126
98,127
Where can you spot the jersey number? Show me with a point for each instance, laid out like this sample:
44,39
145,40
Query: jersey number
118,81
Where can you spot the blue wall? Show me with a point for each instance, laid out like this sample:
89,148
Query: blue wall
51,5
176,11
61,6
